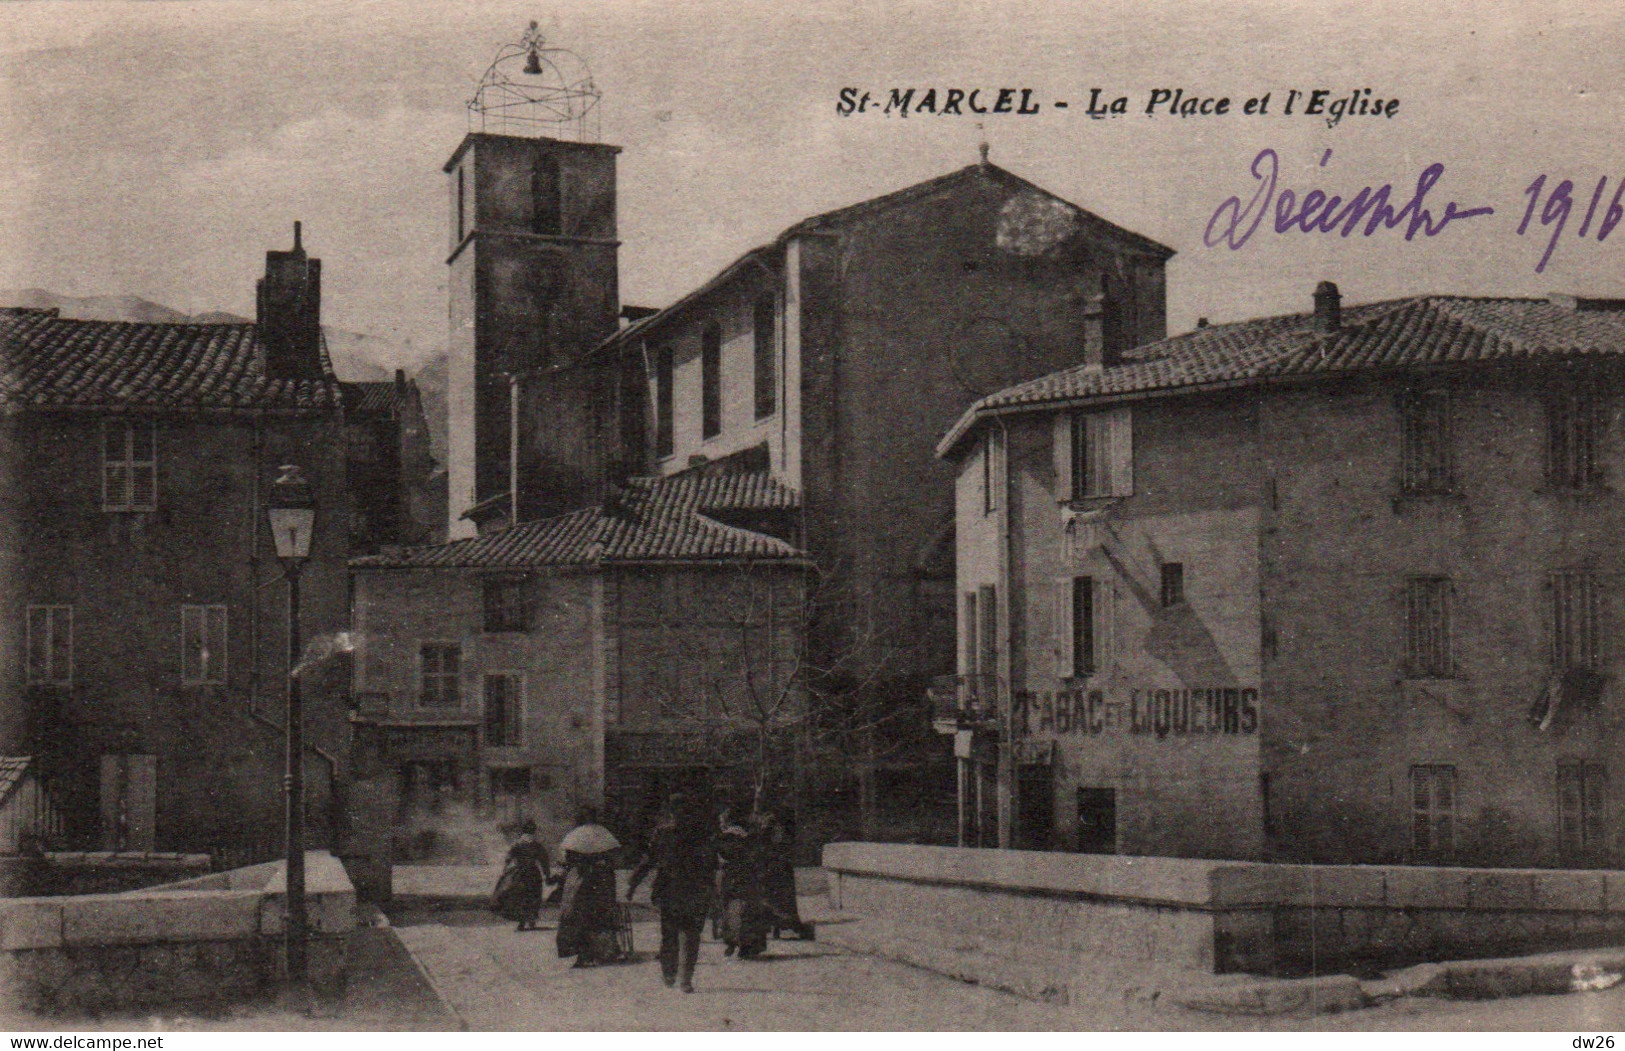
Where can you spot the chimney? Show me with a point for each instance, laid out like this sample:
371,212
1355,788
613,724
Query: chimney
288,312
400,384
1328,307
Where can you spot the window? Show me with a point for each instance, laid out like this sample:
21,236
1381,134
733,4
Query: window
1433,811
663,402
992,473
1094,455
506,608
129,465
509,788
462,224
203,645
767,364
546,208
971,625
441,675
1582,801
1576,621
1427,628
1083,626
504,705
711,381
1426,465
50,645
1575,424
987,632
1173,584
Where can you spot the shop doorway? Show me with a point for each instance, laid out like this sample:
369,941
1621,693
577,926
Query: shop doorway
1097,820
1035,801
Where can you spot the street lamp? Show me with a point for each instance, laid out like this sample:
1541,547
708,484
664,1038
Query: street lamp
292,516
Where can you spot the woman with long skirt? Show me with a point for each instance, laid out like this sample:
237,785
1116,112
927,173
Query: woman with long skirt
518,894
744,916
587,926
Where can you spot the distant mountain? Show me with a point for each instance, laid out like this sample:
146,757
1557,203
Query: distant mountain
357,357
92,308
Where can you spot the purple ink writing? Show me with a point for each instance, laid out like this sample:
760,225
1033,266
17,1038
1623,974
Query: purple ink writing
1234,223
1559,203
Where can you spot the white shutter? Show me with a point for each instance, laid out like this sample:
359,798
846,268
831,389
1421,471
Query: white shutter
1105,624
1121,422
1098,469
1061,625
1063,456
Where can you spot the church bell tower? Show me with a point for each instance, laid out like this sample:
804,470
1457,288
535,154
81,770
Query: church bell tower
533,285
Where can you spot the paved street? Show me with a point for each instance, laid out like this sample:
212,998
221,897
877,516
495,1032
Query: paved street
496,978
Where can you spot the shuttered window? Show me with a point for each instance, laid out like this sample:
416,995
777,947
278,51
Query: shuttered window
503,708
1576,423
664,402
1433,811
1094,455
129,465
1427,628
50,645
711,381
1582,812
441,675
1577,618
766,356
203,645
1426,464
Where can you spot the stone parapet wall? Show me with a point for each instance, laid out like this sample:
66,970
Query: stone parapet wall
1042,923
213,938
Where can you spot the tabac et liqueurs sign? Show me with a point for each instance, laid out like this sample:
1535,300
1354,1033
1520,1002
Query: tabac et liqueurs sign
1222,711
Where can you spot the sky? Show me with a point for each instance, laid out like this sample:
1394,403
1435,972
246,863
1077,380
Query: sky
160,148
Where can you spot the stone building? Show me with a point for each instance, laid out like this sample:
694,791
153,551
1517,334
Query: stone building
830,358
389,465
606,656
144,621
1328,587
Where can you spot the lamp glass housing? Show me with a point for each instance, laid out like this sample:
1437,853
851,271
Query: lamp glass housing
291,529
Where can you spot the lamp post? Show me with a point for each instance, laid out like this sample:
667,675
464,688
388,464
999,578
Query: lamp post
292,516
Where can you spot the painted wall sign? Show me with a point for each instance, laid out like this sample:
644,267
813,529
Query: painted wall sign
1221,711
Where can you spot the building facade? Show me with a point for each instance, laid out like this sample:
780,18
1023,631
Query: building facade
830,358
145,622
1330,587
389,465
608,656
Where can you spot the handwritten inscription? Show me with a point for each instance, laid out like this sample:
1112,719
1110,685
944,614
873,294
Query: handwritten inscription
1159,713
1317,212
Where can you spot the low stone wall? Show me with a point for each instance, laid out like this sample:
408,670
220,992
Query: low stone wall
217,937
1044,923
94,872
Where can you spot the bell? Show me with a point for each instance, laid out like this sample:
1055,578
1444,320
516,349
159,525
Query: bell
533,63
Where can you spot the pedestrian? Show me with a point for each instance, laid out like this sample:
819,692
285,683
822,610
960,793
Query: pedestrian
587,924
685,862
518,894
744,919
779,878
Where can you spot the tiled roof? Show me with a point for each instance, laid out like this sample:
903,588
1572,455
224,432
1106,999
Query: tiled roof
371,398
855,212
13,769
1419,332
53,362
738,491
652,520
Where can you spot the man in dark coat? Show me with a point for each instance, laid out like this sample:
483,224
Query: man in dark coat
685,865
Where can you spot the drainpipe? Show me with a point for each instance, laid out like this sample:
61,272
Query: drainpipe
1005,662
513,449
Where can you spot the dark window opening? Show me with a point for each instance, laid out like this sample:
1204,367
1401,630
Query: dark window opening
711,381
663,402
1577,621
503,709
1173,583
442,675
506,608
1083,627
767,370
1035,801
546,215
